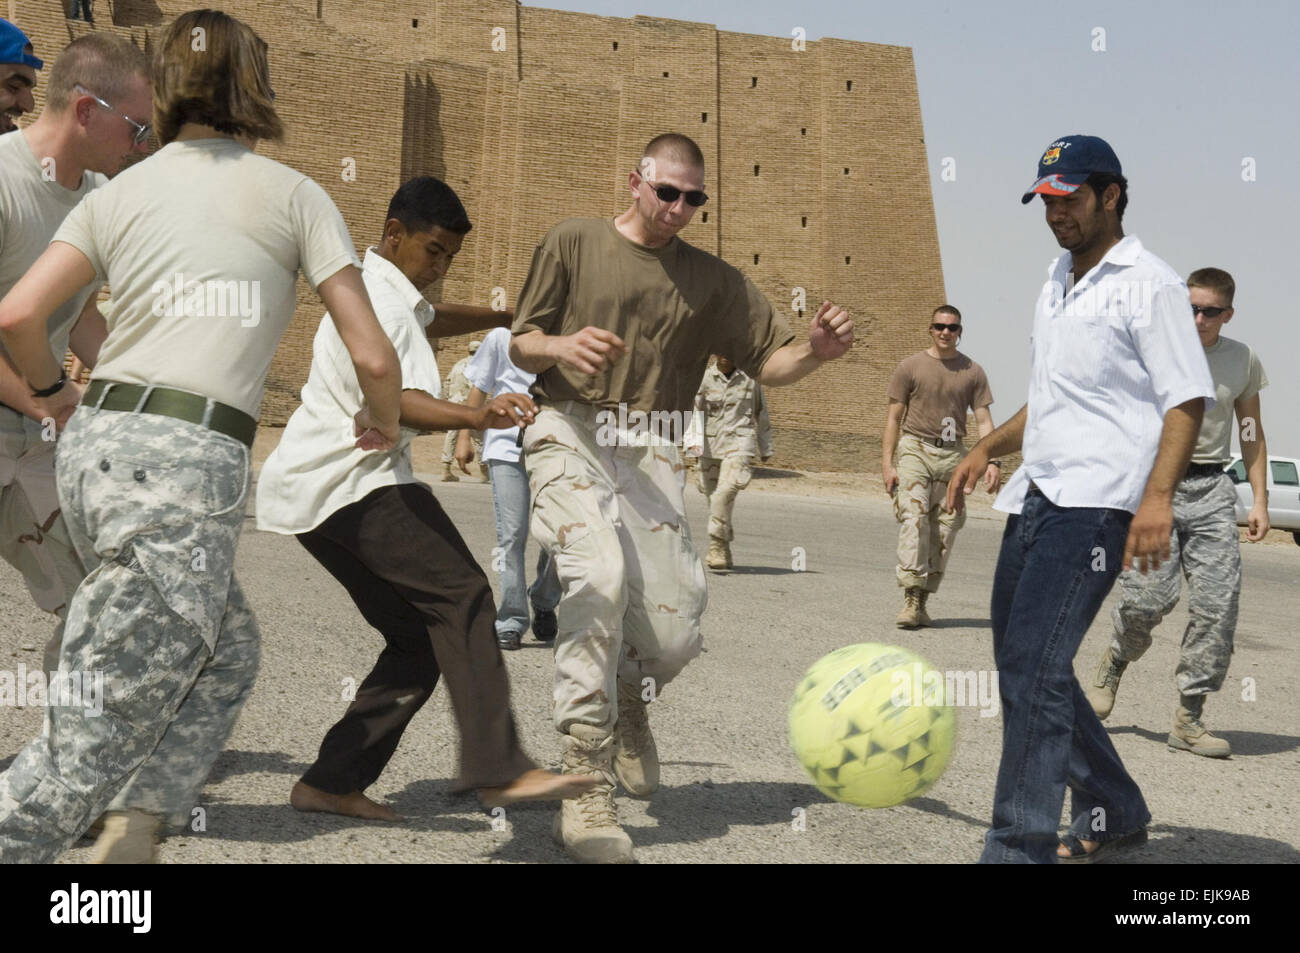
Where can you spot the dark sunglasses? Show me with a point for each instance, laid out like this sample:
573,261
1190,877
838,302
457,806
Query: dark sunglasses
1208,312
954,328
670,194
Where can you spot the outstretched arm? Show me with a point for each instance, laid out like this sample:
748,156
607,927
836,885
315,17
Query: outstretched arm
830,335
454,319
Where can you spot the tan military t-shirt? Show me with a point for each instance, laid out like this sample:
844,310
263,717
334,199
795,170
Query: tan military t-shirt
938,393
202,243
1237,374
672,306
32,207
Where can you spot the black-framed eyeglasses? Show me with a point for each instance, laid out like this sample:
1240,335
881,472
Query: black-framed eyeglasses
670,193
954,328
1208,312
142,130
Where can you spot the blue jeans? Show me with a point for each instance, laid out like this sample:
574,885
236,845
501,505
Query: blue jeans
510,503
1056,566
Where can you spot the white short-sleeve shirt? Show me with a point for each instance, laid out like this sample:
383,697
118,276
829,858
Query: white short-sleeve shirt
317,468
1111,355
492,372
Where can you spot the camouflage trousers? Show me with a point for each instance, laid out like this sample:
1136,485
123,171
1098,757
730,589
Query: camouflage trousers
1204,546
926,533
155,507
33,537
632,584
721,481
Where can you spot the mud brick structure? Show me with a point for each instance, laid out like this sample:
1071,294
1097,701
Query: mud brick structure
817,170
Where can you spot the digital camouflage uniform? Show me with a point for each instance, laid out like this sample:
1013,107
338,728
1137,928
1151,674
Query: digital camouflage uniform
728,432
926,531
33,537
633,586
155,507
458,386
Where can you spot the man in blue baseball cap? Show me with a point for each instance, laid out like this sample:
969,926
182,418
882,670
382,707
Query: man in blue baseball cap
18,68
1118,386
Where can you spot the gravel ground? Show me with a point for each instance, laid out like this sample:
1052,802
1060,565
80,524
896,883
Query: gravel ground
732,792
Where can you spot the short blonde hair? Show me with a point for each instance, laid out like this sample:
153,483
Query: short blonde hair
211,69
101,62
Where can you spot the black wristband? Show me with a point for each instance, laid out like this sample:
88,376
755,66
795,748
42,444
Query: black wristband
53,388
996,463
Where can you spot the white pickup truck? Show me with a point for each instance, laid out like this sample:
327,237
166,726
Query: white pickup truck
1283,493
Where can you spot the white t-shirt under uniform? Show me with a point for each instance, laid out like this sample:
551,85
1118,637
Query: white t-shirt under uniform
492,372
1110,357
317,468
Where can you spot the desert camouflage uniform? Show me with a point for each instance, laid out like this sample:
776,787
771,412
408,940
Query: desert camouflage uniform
730,428
458,386
155,507
1204,543
613,519
33,537
927,532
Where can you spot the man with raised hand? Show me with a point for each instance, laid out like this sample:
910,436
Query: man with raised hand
84,134
1117,388
618,318
1204,544
929,395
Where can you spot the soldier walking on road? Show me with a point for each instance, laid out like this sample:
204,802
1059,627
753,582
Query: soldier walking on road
727,432
458,388
929,394
1204,543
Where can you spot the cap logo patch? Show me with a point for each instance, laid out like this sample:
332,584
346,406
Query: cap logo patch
1051,155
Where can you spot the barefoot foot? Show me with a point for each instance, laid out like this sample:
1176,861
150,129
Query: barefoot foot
304,797
538,785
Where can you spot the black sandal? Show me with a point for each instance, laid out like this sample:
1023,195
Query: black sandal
1078,855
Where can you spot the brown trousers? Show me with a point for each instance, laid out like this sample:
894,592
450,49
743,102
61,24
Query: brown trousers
414,579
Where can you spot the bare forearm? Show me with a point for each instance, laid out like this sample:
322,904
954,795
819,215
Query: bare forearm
889,441
14,392
1177,440
531,352
1007,438
1255,454
420,411
454,319
789,364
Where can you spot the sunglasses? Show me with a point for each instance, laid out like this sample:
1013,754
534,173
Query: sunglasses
954,328
1208,312
142,130
670,194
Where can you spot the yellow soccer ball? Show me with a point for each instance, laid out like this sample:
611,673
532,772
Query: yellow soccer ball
868,726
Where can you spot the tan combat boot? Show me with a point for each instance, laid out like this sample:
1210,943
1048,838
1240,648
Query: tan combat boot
636,759
922,617
726,553
718,555
909,617
447,475
1190,735
129,837
587,826
1101,693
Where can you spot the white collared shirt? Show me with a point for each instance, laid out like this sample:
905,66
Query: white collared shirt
317,468
1110,357
492,372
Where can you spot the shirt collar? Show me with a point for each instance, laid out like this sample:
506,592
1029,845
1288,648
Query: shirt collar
1123,254
380,267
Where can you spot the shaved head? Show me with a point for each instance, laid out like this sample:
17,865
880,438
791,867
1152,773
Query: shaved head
672,147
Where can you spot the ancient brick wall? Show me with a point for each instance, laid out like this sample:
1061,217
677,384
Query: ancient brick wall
816,165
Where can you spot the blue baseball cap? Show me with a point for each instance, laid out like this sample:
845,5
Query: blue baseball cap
15,47
1067,163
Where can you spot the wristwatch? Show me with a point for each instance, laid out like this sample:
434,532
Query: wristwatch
53,388
996,463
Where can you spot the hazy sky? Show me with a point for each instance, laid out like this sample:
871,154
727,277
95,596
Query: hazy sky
1186,92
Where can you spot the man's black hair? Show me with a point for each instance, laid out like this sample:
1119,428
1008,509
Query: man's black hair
423,203
1099,181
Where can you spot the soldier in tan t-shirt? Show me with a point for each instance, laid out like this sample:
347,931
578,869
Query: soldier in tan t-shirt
929,394
618,319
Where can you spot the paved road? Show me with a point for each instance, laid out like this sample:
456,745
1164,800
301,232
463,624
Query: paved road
732,791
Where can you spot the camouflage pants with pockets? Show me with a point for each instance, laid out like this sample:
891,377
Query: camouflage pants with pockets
927,532
721,482
155,507
633,588
1204,546
33,536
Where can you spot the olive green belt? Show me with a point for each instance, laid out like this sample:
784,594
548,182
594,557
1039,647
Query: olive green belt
194,408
